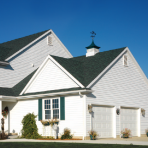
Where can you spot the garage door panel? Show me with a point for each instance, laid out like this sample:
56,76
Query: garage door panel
129,119
102,121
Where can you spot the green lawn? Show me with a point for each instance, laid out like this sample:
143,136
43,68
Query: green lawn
63,145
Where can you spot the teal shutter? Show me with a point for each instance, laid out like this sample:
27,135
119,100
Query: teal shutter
39,109
62,108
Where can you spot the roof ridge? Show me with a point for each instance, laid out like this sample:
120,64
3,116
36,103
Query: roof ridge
96,53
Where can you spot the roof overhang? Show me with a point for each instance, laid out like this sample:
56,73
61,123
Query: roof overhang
8,98
3,63
57,94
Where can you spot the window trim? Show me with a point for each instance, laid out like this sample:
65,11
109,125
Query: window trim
43,110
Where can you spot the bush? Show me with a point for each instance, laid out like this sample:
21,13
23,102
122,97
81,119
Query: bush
66,134
50,137
30,130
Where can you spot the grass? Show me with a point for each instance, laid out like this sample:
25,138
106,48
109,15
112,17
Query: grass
63,145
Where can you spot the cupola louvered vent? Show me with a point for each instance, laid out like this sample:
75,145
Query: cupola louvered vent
49,40
125,62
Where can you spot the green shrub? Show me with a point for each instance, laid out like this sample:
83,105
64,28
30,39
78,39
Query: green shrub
50,137
66,134
30,130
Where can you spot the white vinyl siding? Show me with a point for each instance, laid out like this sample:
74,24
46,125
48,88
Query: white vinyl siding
51,77
21,65
16,113
121,86
73,116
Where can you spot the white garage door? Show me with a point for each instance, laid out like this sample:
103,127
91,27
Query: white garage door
102,121
129,119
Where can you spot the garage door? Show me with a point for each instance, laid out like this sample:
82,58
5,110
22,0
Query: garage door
102,121
129,119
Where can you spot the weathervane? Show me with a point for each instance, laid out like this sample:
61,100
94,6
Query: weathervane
93,34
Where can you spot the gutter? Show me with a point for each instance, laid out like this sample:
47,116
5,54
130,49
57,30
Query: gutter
17,98
54,94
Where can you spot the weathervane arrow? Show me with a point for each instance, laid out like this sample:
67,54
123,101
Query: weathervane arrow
93,34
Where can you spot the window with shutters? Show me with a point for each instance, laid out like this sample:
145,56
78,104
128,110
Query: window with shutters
125,62
49,40
51,109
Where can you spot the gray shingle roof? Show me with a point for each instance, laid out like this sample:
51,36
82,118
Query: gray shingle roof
9,48
86,69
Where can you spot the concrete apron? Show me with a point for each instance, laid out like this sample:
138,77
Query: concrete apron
128,141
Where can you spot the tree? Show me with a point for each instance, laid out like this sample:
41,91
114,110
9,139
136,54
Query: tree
30,130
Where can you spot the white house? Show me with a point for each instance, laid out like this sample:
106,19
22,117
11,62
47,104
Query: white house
38,74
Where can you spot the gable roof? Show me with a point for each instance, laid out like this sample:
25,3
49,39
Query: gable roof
86,69
9,48
16,90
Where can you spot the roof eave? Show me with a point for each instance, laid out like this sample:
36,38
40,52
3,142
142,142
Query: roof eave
8,98
57,94
3,63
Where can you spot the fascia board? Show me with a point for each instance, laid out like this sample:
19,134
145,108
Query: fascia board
8,98
107,67
35,75
61,44
137,65
63,69
53,94
28,45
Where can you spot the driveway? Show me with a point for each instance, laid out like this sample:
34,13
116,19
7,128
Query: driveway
133,140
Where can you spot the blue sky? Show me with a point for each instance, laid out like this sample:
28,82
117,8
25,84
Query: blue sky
117,23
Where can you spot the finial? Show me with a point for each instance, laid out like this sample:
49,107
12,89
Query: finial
93,34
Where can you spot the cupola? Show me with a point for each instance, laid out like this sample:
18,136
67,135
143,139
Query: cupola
92,49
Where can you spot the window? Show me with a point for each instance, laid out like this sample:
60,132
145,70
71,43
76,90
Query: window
49,40
125,63
51,109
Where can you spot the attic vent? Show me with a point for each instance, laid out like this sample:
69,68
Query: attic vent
125,60
49,40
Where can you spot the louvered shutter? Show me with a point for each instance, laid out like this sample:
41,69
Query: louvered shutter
39,109
62,108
